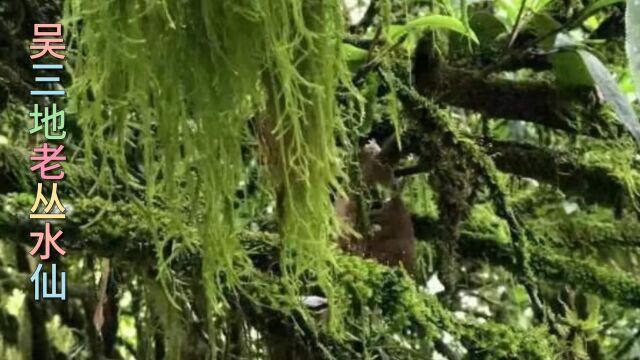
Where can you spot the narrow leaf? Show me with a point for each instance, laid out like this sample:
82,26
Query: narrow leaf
431,22
569,69
608,87
633,41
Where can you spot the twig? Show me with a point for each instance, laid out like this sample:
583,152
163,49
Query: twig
516,25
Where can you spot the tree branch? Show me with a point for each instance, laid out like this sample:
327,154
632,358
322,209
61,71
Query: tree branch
538,102
548,264
595,184
121,232
560,169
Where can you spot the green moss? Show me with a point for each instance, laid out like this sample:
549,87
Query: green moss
386,313
505,343
183,109
382,307
483,220
593,227
587,276
617,159
420,197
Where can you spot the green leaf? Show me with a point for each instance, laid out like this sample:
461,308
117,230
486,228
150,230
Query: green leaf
430,22
633,42
570,70
610,91
486,26
541,25
511,8
354,56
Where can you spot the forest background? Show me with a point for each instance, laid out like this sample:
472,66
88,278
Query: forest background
313,179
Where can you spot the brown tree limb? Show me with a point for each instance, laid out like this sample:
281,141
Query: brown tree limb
548,264
535,101
561,169
594,184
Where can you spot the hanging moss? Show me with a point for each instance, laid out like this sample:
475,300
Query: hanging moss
171,327
183,108
304,66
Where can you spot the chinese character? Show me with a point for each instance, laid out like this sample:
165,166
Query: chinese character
48,43
35,278
49,241
47,92
48,79
49,154
52,122
40,199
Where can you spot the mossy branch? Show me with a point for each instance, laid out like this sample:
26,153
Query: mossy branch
561,169
591,182
367,287
592,228
486,238
550,265
535,101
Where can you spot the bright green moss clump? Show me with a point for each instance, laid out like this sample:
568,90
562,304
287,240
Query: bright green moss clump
176,85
